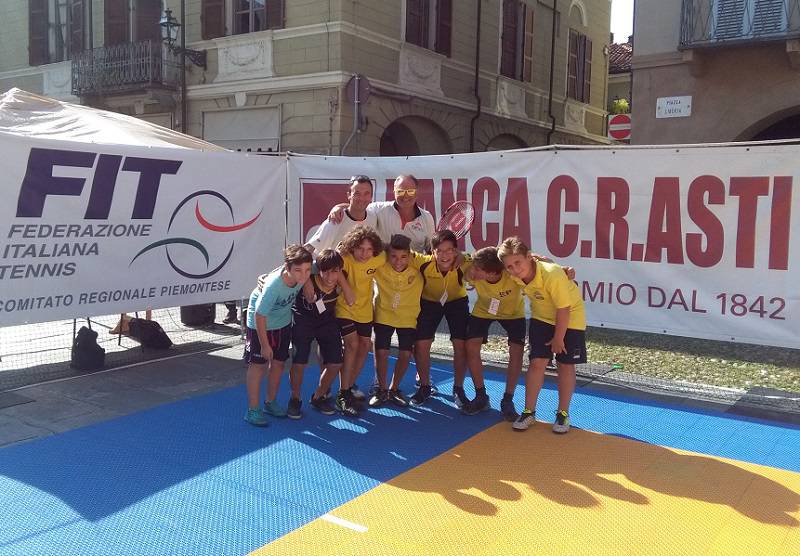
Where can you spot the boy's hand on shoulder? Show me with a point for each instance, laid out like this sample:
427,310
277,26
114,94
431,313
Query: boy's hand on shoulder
569,271
261,281
336,214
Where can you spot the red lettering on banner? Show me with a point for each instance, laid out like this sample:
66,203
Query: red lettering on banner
485,187
779,223
567,187
748,189
318,198
449,197
613,202
664,227
703,191
516,210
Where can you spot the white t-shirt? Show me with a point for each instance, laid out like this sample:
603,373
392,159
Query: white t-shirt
328,235
390,223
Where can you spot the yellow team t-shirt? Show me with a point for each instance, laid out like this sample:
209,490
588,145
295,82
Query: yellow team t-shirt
551,290
397,304
359,276
501,301
436,283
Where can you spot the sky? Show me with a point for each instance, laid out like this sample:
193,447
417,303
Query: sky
621,19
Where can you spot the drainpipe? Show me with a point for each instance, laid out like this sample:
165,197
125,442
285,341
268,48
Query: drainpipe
552,67
477,83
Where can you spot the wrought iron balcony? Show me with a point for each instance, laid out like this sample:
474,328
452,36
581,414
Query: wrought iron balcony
124,67
723,22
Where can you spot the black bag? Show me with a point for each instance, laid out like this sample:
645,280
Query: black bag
149,333
86,354
198,315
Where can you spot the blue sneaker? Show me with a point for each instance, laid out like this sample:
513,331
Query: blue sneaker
274,409
256,417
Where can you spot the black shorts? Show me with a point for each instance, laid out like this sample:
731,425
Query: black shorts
478,327
327,336
347,327
430,315
278,341
383,337
540,332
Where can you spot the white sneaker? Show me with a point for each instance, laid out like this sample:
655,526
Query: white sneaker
525,420
561,424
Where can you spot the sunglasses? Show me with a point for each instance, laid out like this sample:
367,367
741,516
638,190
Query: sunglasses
406,192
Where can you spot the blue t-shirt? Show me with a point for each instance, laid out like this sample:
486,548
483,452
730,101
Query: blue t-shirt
274,302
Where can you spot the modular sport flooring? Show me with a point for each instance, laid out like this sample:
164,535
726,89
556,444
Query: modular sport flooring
191,477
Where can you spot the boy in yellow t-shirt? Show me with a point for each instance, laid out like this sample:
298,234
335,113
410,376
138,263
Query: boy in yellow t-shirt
396,310
557,326
499,299
363,254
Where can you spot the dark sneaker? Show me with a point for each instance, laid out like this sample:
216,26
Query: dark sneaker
231,319
460,397
357,394
293,411
552,365
397,398
480,403
421,395
345,405
379,398
525,420
323,404
434,390
508,410
561,424
256,417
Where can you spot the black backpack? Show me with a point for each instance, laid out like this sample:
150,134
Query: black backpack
149,333
86,354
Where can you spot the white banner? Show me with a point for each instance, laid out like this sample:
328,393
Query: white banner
91,229
691,241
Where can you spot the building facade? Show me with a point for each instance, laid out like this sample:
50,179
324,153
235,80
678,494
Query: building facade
443,76
715,71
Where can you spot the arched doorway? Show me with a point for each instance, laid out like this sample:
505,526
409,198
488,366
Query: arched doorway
787,128
505,142
414,135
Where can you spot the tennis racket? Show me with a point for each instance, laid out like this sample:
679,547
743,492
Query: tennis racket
457,218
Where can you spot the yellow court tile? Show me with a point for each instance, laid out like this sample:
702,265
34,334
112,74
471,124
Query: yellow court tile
508,493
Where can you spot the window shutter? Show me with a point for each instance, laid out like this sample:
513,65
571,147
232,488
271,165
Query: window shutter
587,70
212,19
730,16
416,22
116,21
444,27
572,65
275,14
580,67
148,14
769,17
527,46
37,32
77,29
508,39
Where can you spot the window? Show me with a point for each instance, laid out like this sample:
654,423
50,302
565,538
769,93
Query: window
250,16
579,67
131,21
734,19
516,58
242,16
429,24
55,30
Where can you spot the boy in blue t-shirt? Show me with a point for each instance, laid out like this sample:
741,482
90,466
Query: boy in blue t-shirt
269,330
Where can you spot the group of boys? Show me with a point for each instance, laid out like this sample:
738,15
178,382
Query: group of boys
337,306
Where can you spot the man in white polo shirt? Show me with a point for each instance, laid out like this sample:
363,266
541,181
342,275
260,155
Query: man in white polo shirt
402,216
355,213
